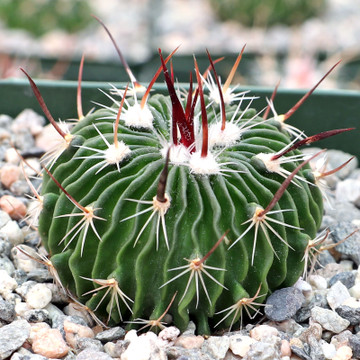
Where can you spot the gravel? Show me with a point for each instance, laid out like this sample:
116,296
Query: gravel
317,318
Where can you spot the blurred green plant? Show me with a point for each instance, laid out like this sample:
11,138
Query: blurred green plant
267,12
41,16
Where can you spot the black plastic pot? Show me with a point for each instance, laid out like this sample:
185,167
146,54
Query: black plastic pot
324,110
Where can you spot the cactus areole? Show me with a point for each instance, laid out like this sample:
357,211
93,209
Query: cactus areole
193,193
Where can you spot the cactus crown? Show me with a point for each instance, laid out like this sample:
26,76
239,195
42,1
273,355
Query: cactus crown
192,193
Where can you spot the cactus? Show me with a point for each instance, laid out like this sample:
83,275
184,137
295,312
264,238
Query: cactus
189,204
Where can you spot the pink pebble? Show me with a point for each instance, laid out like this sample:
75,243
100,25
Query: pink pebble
9,174
13,206
74,331
49,343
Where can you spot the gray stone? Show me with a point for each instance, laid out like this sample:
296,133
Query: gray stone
37,315
337,158
5,246
349,313
346,277
343,211
262,351
316,351
350,247
58,321
354,342
12,337
90,354
20,187
88,343
283,304
301,353
176,352
112,334
40,275
20,276
329,319
304,313
5,121
7,265
7,310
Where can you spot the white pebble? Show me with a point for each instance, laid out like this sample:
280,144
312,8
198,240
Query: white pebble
337,294
7,283
318,282
142,347
304,287
38,296
21,308
343,353
23,261
11,156
240,344
329,350
168,336
355,291
13,233
348,190
263,331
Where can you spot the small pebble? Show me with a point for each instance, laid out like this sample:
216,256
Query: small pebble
38,296
347,278
354,343
13,232
13,206
168,336
343,353
216,346
90,354
189,341
7,283
4,218
7,311
9,174
329,319
284,303
349,313
263,351
74,331
263,331
88,343
141,347
112,334
37,315
240,344
318,282
337,294
12,337
329,350
349,191
49,343
351,247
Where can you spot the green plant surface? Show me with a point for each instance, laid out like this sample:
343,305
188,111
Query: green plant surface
41,16
267,12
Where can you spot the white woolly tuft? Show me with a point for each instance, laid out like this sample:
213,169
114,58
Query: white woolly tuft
135,116
229,136
203,165
114,155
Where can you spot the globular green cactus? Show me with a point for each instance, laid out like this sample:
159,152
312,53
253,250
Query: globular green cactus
189,203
